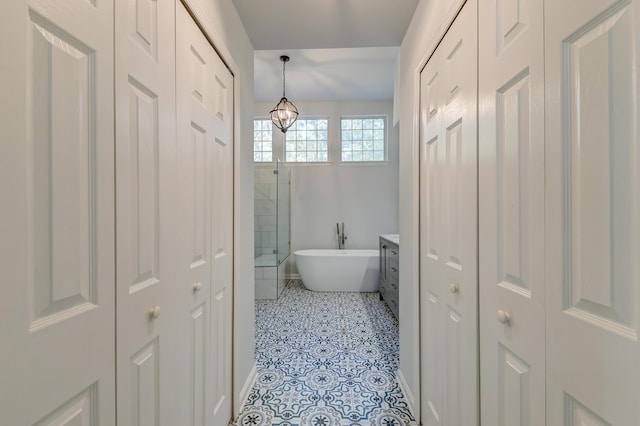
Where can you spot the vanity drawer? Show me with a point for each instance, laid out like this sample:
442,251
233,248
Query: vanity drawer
393,252
392,302
384,289
392,272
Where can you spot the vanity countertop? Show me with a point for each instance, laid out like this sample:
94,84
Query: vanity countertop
394,238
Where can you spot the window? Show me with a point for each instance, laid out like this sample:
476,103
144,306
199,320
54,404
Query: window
363,139
306,141
262,141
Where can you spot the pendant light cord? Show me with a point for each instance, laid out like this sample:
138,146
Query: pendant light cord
284,63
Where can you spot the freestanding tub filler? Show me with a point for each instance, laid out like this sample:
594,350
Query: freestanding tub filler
339,270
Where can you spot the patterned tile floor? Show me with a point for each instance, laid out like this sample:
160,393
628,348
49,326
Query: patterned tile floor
325,359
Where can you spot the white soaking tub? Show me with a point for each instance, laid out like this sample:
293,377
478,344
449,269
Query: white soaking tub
339,270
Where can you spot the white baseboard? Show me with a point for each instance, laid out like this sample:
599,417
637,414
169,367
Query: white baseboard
246,388
408,395
292,276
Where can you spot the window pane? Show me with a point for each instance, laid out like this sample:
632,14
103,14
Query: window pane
262,140
306,141
363,139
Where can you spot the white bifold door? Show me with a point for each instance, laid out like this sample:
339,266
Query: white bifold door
592,60
448,227
204,88
57,283
175,219
149,362
511,212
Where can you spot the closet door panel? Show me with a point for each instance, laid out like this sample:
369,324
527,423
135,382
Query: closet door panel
448,206
205,158
511,213
459,265
145,162
592,212
195,164
222,243
431,241
56,203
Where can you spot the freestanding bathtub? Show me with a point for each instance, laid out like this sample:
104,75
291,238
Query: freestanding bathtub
339,270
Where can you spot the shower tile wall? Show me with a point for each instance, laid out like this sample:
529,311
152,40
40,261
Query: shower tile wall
266,190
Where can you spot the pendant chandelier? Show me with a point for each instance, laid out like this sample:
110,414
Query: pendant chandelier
284,114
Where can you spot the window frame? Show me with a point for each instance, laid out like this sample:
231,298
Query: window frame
385,118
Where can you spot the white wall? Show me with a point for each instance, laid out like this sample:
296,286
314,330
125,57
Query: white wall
223,18
363,196
427,26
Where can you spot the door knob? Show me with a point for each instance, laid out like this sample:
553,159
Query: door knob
454,288
503,316
154,312
197,286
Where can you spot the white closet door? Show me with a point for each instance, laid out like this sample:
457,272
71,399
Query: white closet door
149,393
511,213
593,212
57,363
221,244
205,162
448,235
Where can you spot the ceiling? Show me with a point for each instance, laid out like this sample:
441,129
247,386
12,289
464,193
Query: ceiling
326,74
339,49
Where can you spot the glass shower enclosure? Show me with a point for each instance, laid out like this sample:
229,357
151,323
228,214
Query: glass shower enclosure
272,220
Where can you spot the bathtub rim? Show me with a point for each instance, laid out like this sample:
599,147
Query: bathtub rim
337,253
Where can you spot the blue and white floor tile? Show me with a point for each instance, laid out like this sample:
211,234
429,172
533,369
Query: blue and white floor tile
325,359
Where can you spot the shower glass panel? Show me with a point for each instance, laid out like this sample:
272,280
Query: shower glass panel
284,212
272,213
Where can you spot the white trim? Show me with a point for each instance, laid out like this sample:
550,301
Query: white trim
246,388
406,391
293,277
